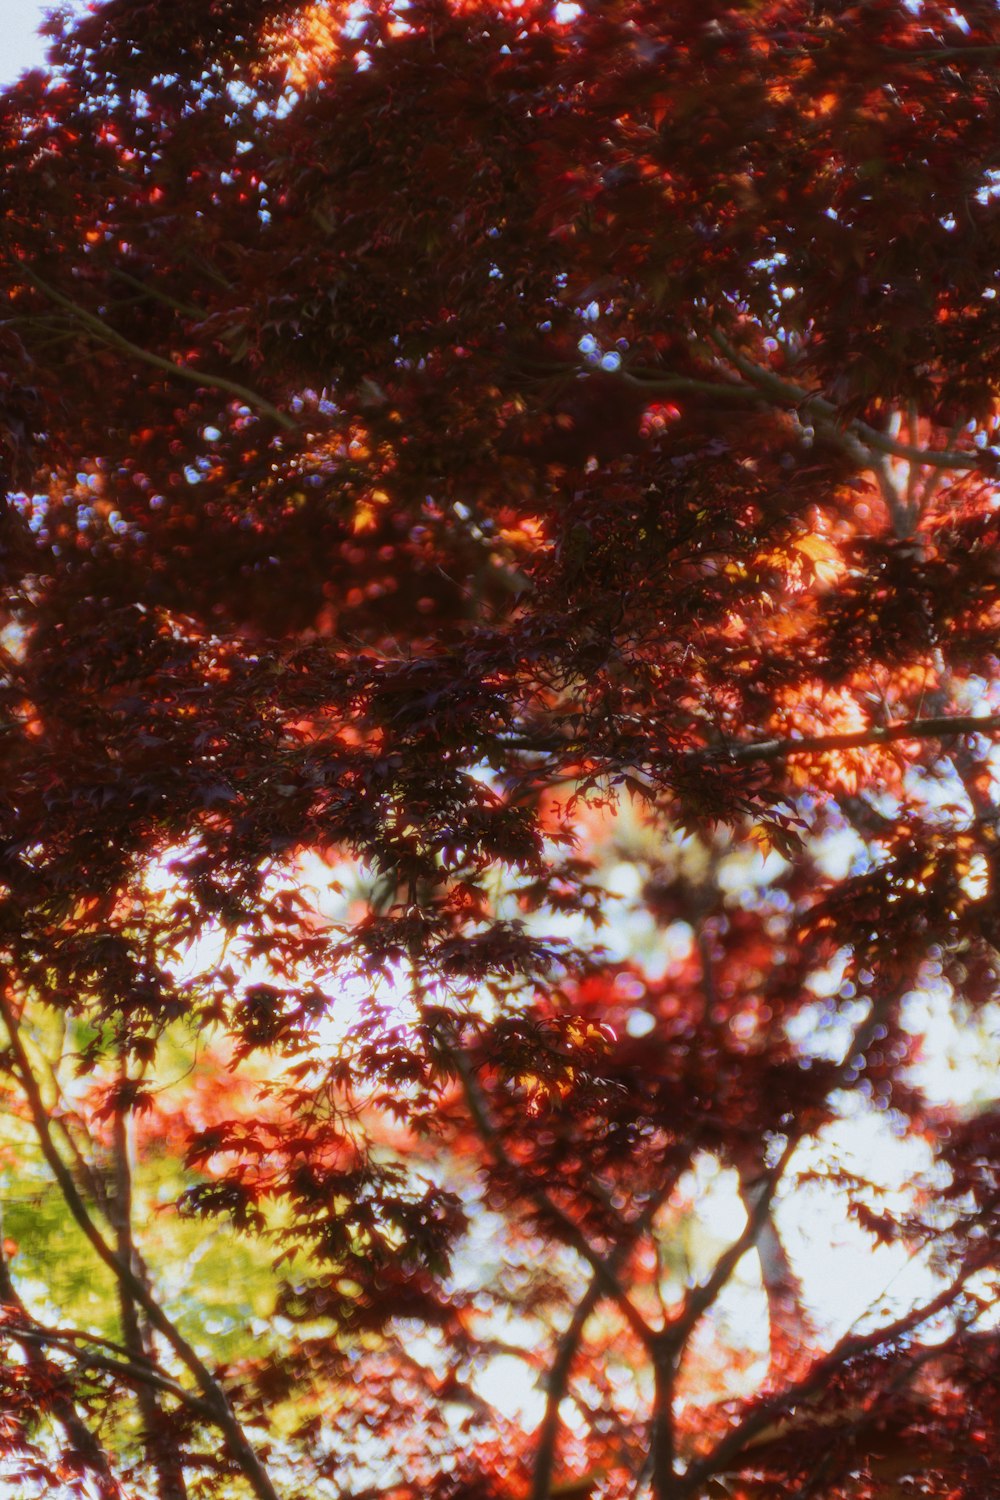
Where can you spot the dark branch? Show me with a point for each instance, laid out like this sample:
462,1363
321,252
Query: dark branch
555,1390
944,727
215,1396
700,1298
732,1446
983,53
132,1371
602,1265
111,336
786,393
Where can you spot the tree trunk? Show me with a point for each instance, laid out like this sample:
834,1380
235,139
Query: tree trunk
662,1451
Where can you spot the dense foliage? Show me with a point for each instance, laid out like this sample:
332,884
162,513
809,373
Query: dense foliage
501,593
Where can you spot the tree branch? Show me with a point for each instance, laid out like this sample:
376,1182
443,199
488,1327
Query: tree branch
559,1372
602,1265
787,393
186,309
166,1462
700,1298
64,1408
983,53
225,1418
132,1371
943,727
555,1389
849,1347
108,335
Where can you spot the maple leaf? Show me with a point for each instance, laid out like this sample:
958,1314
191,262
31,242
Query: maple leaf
498,818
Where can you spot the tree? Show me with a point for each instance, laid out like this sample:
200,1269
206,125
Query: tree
479,474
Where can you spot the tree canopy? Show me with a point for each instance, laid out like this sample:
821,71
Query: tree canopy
500,685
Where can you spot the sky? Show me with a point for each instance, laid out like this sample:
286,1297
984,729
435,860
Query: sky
20,45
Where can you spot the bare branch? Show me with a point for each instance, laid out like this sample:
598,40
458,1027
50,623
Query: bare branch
983,53
555,1389
569,1341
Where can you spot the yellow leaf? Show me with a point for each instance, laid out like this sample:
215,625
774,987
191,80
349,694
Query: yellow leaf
822,554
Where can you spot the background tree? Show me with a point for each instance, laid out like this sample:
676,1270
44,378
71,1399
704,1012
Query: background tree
464,461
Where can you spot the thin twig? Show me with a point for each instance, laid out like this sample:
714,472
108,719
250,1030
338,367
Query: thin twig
188,309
